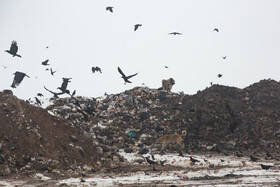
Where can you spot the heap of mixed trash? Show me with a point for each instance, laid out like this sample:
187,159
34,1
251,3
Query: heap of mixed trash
219,118
81,134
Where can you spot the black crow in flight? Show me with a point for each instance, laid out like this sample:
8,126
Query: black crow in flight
13,49
4,66
55,95
217,30
64,85
175,33
40,95
110,8
224,57
94,69
18,78
52,72
125,78
166,66
220,75
137,26
45,63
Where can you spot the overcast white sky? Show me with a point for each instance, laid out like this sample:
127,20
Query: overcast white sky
81,34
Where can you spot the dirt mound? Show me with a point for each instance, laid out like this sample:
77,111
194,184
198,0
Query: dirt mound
217,118
32,140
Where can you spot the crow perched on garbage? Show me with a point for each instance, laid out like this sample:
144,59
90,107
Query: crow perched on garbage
110,8
175,33
125,78
45,63
38,101
18,78
94,69
13,49
137,26
265,166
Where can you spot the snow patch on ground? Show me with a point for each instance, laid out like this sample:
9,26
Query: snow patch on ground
231,172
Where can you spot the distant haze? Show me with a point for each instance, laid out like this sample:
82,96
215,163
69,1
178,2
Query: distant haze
81,34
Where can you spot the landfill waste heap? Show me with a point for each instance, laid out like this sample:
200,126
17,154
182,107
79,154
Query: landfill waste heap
219,118
82,134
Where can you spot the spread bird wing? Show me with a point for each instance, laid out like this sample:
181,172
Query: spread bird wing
53,92
18,78
128,77
120,71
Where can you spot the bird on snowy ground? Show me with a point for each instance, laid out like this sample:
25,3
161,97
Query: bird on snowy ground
193,160
151,162
266,167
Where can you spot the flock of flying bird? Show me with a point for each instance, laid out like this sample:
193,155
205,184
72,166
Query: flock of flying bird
19,76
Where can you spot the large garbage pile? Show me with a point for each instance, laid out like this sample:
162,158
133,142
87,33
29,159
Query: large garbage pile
219,118
32,140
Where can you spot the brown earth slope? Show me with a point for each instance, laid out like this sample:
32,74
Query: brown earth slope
33,140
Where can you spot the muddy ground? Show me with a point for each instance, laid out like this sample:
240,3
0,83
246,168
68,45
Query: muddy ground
177,171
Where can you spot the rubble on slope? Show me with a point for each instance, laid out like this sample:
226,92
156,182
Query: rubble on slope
32,140
219,118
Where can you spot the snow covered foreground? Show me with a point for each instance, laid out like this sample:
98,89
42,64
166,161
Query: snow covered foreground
216,171
231,172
